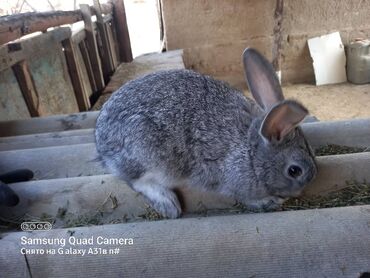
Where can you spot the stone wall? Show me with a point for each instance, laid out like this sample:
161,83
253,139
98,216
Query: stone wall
214,33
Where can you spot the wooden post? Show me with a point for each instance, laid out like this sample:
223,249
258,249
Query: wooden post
278,36
27,85
93,47
124,44
107,60
76,76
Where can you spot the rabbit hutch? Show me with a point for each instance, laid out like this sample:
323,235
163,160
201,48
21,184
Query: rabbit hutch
74,218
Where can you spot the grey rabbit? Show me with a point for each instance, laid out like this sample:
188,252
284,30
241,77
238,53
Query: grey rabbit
178,127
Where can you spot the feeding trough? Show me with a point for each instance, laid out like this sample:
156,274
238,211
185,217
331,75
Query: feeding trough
72,189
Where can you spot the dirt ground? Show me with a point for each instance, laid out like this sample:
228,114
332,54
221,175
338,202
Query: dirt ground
333,102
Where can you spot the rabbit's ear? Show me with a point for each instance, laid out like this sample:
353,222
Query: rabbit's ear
281,119
261,79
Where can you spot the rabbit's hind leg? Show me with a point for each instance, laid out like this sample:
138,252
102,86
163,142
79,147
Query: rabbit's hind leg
161,197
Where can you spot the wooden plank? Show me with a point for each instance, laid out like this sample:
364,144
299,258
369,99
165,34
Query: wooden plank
87,62
30,47
123,36
106,56
48,139
27,85
93,48
48,124
76,76
13,105
52,80
330,242
84,71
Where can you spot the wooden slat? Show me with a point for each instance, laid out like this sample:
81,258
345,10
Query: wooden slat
112,44
123,36
76,77
107,61
27,86
93,48
87,61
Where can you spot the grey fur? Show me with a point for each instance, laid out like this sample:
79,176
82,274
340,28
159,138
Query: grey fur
180,128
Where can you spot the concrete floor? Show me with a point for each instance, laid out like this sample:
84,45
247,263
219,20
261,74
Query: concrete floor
329,102
332,102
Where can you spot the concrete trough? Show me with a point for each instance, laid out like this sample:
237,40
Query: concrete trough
48,124
48,139
332,242
81,160
54,162
85,196
352,133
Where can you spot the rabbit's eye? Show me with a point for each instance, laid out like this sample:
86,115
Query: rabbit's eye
294,171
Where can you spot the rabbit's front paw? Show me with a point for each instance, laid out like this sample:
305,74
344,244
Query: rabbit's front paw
167,207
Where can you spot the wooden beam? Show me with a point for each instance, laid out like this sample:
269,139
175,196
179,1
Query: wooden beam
15,26
28,88
278,36
76,76
93,47
107,60
124,44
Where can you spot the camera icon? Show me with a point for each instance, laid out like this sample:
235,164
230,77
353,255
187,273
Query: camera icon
36,226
